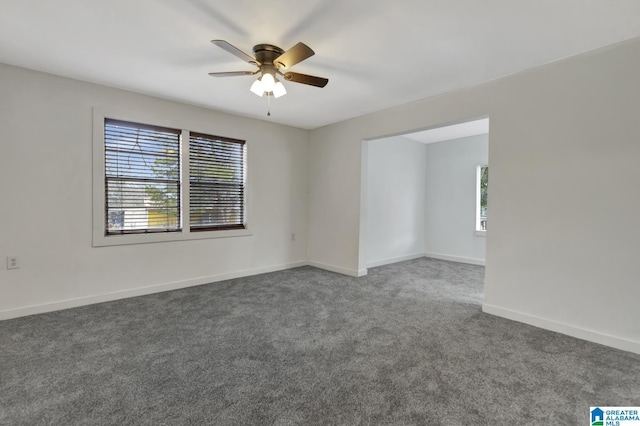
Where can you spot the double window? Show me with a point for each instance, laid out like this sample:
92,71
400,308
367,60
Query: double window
173,183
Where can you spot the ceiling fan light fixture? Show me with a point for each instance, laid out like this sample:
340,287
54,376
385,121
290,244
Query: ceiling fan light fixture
279,90
256,88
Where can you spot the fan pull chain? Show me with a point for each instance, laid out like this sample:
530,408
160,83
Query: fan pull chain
268,105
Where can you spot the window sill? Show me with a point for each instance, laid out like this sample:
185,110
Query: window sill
100,240
481,233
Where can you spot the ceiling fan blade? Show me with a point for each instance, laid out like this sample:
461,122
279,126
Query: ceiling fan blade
232,73
306,79
296,54
223,44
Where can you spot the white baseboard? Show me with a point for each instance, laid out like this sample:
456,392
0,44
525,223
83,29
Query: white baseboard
339,270
460,259
140,291
568,329
394,260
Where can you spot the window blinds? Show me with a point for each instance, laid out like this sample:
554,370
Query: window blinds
142,178
217,183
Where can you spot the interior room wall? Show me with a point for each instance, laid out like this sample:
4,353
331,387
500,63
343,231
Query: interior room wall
451,199
563,243
46,204
395,201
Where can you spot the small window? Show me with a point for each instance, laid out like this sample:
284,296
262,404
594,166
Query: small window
482,185
216,183
142,178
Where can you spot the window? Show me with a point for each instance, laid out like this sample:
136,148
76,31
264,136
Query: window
482,185
142,178
154,183
216,182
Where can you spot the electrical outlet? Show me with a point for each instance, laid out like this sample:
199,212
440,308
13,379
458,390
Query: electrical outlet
12,262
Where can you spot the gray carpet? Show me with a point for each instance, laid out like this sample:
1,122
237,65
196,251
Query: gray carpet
406,345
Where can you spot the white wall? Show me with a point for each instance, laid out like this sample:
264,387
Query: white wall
46,202
451,199
395,200
563,243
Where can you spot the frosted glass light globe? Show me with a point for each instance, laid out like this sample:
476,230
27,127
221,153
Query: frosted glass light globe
256,88
279,90
268,82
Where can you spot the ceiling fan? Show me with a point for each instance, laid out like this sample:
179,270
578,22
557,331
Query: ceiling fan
272,62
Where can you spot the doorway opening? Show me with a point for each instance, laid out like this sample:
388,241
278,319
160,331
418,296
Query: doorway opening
421,195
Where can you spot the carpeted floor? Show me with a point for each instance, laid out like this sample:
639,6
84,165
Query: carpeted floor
406,345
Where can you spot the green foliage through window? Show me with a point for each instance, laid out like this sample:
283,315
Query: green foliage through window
484,184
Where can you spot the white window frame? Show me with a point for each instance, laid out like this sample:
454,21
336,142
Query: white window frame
99,237
479,231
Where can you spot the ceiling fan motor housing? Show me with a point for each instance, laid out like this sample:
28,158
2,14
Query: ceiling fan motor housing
266,54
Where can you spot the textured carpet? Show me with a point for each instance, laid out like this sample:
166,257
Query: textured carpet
408,344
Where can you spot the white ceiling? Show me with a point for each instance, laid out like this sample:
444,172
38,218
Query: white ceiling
376,54
455,131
